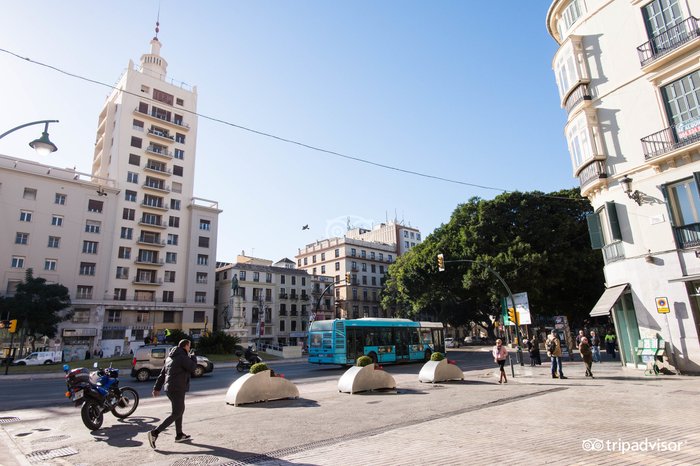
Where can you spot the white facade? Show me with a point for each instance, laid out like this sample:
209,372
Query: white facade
150,260
628,74
403,236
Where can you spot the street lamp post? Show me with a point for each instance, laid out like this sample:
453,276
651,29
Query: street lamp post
43,145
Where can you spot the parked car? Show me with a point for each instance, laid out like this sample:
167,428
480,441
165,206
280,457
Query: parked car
39,357
149,360
451,343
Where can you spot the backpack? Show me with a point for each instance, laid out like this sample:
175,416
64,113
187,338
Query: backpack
552,345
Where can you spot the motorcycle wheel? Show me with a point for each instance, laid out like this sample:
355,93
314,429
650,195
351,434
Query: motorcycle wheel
239,367
92,416
127,402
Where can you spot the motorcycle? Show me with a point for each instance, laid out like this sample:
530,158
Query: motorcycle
245,364
98,392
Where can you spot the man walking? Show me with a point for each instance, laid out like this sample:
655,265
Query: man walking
175,379
553,346
595,346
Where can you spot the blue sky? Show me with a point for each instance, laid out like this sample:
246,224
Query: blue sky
458,89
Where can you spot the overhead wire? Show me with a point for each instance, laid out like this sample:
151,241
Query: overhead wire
279,138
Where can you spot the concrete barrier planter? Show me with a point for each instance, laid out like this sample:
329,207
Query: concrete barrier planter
440,371
362,379
253,388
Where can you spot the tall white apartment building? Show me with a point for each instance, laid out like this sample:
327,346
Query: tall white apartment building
364,254
269,303
628,73
154,263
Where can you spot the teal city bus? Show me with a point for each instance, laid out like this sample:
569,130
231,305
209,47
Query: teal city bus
342,341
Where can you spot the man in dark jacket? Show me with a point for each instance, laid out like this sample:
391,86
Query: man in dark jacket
174,378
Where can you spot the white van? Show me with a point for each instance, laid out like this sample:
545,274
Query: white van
40,357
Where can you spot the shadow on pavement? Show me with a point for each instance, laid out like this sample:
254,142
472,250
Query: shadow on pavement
288,403
227,453
124,432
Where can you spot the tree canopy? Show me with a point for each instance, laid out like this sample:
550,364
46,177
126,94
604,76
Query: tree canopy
538,243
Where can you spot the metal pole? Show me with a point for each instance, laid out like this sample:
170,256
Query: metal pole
46,122
7,362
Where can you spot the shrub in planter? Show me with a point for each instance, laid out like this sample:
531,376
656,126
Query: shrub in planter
363,361
437,356
259,367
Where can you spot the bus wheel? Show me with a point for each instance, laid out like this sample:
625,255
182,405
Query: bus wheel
373,356
427,355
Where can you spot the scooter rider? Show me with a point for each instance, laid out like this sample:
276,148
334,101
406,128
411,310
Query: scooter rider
251,356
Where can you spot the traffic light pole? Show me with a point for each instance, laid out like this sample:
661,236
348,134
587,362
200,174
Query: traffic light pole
519,350
7,361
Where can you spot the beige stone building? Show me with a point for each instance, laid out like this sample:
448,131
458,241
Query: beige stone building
268,303
628,73
364,254
146,256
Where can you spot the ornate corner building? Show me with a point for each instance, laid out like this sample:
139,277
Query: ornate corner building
628,73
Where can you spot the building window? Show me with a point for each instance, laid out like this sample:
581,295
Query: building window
171,257
364,267
172,239
168,296
294,280
30,194
204,225
83,292
22,238
179,154
134,159
90,247
95,206
353,252
128,214
114,316
60,199
177,170
17,262
132,177
684,207
306,262
659,17
56,220
175,204
50,264
200,297
54,241
389,258
199,316
578,135
337,253
176,187
571,13
122,273
87,268
169,276
374,281
25,216
405,243
203,259
124,252
168,317
136,142
81,316
174,221
179,101
126,233
130,196
202,278
203,242
323,269
293,326
323,256
164,97
363,254
682,99
268,277
180,138
256,276
92,226
337,266
241,275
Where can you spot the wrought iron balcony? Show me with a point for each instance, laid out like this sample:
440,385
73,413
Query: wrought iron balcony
671,138
687,236
159,151
594,171
668,41
160,134
578,95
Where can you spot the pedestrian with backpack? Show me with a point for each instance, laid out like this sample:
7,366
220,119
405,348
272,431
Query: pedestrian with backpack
553,345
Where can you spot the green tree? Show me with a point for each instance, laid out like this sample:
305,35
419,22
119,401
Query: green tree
537,243
218,343
37,306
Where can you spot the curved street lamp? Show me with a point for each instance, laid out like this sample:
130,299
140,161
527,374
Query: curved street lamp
43,145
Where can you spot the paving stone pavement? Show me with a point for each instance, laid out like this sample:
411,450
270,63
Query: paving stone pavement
533,419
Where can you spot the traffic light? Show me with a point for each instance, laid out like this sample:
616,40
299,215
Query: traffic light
511,315
13,325
441,262
348,278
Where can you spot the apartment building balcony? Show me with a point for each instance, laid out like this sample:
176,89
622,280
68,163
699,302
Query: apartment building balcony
157,169
160,187
160,152
579,94
304,297
154,262
354,269
161,117
294,296
150,241
145,223
669,44
672,141
592,175
687,236
155,205
283,295
147,281
160,134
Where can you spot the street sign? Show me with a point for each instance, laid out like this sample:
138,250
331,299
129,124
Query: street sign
662,306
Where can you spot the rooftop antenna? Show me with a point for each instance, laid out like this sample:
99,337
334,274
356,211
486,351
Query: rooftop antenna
157,22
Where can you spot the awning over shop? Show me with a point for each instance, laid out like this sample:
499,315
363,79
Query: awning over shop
607,300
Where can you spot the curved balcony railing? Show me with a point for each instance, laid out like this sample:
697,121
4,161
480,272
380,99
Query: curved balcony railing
579,94
687,236
594,171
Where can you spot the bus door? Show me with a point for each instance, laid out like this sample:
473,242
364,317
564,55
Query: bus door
401,340
439,340
416,348
354,343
